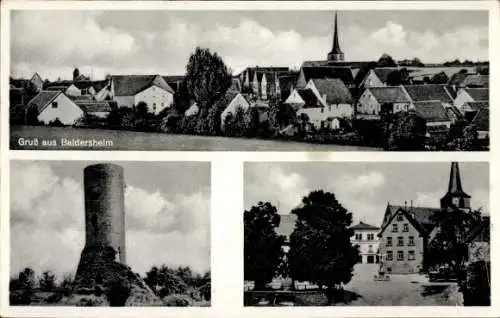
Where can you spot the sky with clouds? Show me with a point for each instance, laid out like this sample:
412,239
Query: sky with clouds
166,222
160,42
363,188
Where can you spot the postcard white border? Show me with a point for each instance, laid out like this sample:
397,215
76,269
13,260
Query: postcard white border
227,176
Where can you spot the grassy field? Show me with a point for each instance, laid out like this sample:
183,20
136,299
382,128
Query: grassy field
53,138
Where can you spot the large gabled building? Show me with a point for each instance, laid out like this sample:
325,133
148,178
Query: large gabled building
406,230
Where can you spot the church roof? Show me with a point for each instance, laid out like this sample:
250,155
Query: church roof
455,182
343,73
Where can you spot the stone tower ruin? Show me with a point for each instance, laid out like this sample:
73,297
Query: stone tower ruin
103,259
104,222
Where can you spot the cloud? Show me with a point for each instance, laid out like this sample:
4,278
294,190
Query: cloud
47,224
272,183
79,39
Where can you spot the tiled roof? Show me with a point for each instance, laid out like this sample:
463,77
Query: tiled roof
476,80
364,226
482,119
43,98
81,98
383,72
475,106
130,85
419,93
310,99
94,106
57,88
174,81
453,113
431,111
389,94
421,215
478,94
335,90
287,224
342,73
20,83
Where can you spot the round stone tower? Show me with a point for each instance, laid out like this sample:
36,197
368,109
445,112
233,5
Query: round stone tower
104,222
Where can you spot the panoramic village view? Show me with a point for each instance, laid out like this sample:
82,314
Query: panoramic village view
314,254
338,103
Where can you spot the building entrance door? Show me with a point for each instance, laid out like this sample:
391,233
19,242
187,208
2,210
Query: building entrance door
370,259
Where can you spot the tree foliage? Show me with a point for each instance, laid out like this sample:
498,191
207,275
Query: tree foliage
47,281
322,237
262,245
386,61
207,77
407,131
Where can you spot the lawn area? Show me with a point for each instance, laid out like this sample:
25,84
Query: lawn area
62,138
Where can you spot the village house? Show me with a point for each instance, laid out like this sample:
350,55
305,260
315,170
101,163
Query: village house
465,95
377,77
478,241
303,98
405,230
371,101
243,102
435,116
49,106
174,81
470,80
130,90
365,236
429,92
335,103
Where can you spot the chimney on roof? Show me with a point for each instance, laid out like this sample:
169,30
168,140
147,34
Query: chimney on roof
406,203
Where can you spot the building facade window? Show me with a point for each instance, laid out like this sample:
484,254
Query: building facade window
389,241
400,241
411,255
394,228
54,104
400,217
389,256
411,241
359,237
370,237
370,248
406,227
401,256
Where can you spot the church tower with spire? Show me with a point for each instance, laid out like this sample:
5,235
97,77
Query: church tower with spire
335,55
455,197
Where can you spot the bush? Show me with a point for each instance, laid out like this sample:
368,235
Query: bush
56,123
177,300
476,287
118,292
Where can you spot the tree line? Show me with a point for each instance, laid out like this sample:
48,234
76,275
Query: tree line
164,281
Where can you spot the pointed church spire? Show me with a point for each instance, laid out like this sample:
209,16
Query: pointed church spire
336,45
336,53
455,196
455,184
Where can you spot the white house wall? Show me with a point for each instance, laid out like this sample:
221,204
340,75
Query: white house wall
73,91
462,98
294,98
238,102
372,80
156,98
67,111
317,115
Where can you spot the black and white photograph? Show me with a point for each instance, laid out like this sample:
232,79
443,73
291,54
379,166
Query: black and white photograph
367,234
109,234
249,80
